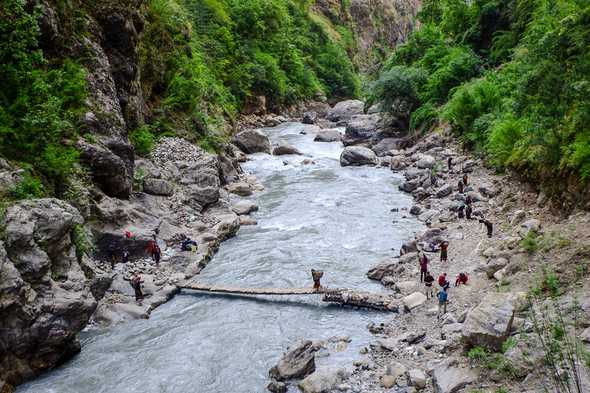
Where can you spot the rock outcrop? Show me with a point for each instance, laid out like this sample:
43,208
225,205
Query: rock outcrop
357,156
297,363
252,141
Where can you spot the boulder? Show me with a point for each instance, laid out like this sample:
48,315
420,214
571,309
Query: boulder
489,324
407,287
417,378
277,387
361,128
385,268
494,265
309,117
158,187
475,197
395,370
252,141
387,381
345,110
448,378
240,188
425,162
330,135
409,247
488,190
111,166
530,225
323,380
384,146
296,363
415,210
414,300
409,185
357,155
244,207
398,163
444,191
285,150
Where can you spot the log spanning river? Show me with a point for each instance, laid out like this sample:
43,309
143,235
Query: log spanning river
323,216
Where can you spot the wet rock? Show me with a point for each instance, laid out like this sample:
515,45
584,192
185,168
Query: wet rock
244,207
415,210
345,110
158,187
298,362
448,378
414,300
309,117
285,150
475,197
323,380
489,324
409,247
331,135
9,176
240,188
357,156
277,387
252,141
385,268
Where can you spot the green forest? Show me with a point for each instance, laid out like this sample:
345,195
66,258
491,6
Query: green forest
511,77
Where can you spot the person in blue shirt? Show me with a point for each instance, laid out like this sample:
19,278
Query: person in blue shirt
443,297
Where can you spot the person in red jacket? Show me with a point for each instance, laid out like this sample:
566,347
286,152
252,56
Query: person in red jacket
461,279
442,281
423,261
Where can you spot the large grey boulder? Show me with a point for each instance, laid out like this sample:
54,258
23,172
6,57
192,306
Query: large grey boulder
244,207
45,296
414,300
345,110
385,268
158,187
409,185
444,191
296,363
323,380
386,145
489,324
309,117
425,162
357,156
330,135
361,128
252,141
448,378
285,150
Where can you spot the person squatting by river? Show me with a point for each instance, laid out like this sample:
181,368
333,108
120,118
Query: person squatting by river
461,279
489,226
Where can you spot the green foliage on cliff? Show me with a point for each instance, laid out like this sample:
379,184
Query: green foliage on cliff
40,103
510,76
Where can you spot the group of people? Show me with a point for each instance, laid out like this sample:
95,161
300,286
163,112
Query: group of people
428,279
466,210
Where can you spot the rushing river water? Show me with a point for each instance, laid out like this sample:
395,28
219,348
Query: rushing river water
321,216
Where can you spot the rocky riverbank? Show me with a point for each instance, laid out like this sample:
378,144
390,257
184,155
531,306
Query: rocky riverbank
418,351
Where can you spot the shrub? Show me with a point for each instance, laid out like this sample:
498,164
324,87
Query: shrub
143,140
29,187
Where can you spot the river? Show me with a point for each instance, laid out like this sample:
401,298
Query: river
323,216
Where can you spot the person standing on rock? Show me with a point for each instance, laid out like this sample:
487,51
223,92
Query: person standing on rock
450,163
489,226
443,299
423,261
428,280
460,186
442,281
461,211
465,180
156,254
468,211
136,282
444,246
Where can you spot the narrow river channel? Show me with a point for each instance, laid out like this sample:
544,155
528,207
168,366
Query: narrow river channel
321,216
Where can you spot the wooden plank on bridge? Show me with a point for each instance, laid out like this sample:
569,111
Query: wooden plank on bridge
252,291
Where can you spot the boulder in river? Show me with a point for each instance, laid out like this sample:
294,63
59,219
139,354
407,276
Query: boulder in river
252,141
345,110
361,128
240,188
244,207
309,117
296,363
285,150
330,135
357,156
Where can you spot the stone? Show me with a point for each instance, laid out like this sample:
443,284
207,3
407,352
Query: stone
518,217
158,187
240,188
490,323
444,191
111,166
530,225
398,163
495,265
330,135
447,378
345,110
383,269
425,162
285,150
409,185
387,381
277,387
386,145
309,117
417,378
361,128
475,197
415,210
252,141
488,190
357,155
244,207
323,380
407,287
297,362
414,300
395,370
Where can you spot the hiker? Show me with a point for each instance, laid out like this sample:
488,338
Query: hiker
156,254
460,186
442,281
468,200
444,251
316,275
188,245
465,180
136,282
461,279
442,301
428,280
461,211
468,211
489,226
423,260
125,256
450,163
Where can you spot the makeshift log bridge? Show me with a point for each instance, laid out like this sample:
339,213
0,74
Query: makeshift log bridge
342,296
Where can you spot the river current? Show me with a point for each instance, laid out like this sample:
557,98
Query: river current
323,216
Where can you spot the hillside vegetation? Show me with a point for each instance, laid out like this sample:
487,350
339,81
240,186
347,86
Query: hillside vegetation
511,79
